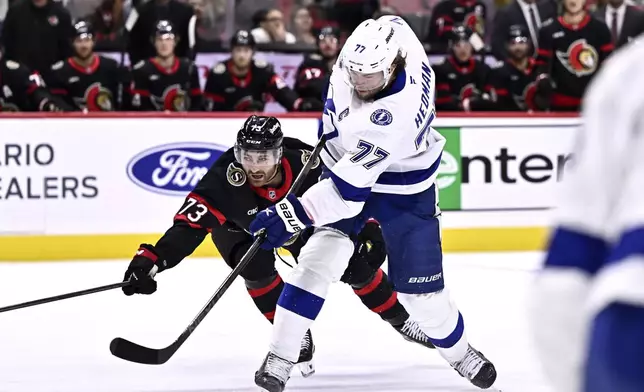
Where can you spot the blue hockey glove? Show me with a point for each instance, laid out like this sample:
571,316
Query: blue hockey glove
281,222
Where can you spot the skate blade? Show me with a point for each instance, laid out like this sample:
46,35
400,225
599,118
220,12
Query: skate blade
307,368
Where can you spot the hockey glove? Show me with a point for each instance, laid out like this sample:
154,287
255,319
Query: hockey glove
281,222
141,272
370,245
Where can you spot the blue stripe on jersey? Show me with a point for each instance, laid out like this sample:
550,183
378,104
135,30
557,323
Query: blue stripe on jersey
631,243
300,301
396,86
569,248
453,337
409,178
348,191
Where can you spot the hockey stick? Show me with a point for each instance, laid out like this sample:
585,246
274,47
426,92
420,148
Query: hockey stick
64,296
133,352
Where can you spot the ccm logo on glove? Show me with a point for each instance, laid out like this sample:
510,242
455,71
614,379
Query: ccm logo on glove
286,211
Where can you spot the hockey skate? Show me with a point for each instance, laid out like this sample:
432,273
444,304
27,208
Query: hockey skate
411,331
274,373
476,368
305,361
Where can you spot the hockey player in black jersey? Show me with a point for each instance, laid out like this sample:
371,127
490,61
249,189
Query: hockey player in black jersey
165,82
571,50
87,81
313,74
242,82
246,179
511,84
22,90
448,14
460,76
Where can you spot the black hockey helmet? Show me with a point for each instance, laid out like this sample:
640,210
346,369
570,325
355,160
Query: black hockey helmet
83,29
259,141
242,38
164,29
518,33
461,33
328,31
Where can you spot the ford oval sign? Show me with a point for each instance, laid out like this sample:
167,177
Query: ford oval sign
173,169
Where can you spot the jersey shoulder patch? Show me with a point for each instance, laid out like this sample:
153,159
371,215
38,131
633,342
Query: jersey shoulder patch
315,56
12,64
219,68
382,117
236,176
306,155
548,22
139,65
497,65
58,65
259,63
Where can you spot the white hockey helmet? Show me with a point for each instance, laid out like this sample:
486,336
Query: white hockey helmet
367,57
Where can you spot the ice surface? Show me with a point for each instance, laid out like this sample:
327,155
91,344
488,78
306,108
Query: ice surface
64,346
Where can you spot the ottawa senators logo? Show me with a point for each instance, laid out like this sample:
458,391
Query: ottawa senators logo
468,91
475,21
174,99
8,107
527,99
580,59
97,99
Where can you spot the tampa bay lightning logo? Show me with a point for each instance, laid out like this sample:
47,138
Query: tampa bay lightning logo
382,117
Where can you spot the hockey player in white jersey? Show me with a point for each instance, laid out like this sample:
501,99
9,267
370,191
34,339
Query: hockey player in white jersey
588,303
382,158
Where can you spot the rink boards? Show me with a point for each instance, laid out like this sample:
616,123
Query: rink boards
94,187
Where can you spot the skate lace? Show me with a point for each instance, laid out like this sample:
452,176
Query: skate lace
279,367
412,329
470,365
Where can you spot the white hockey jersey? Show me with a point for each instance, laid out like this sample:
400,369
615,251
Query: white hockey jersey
596,254
386,145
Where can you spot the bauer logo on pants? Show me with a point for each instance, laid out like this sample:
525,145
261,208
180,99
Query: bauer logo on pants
173,169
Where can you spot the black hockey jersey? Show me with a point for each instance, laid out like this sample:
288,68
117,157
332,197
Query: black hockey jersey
571,55
455,82
512,89
93,88
155,88
226,92
312,75
447,13
224,204
21,90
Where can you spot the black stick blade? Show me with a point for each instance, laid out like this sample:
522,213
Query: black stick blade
133,352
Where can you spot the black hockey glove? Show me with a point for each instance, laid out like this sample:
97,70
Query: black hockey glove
370,245
141,272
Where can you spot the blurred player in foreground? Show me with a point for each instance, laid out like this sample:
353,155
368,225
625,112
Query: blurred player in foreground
588,304
246,179
382,158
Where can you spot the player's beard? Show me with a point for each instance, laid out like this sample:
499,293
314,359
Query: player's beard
260,178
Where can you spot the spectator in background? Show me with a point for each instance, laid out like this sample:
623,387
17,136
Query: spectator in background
272,29
448,13
107,20
459,77
165,82
303,26
210,23
350,13
144,20
37,33
529,13
246,12
624,21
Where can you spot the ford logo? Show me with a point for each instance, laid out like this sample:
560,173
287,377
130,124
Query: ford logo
173,169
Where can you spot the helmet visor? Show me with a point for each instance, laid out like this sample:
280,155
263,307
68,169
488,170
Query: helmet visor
258,158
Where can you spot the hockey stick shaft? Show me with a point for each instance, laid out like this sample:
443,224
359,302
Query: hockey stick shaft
129,351
64,296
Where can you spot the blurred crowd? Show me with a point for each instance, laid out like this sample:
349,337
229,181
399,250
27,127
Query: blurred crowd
89,55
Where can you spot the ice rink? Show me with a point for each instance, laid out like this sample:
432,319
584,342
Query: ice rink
64,346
